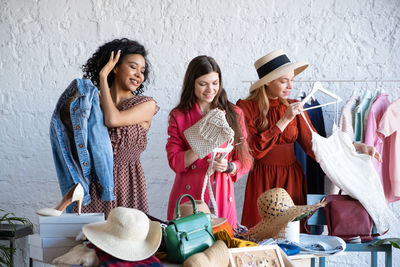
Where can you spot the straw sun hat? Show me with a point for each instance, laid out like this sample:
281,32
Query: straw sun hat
274,65
216,255
128,234
276,209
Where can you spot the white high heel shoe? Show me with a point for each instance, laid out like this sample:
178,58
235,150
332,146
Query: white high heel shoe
74,194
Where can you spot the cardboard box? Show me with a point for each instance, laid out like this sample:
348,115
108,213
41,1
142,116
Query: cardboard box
46,254
52,242
67,224
46,249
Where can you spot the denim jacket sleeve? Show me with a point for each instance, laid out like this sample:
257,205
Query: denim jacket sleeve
65,177
99,146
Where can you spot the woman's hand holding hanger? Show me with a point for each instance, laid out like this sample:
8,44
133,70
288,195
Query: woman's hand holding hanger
292,111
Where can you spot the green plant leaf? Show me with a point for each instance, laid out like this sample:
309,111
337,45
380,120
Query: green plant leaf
6,254
305,215
9,218
395,242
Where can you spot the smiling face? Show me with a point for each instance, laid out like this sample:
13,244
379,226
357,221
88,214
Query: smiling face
129,75
280,87
206,88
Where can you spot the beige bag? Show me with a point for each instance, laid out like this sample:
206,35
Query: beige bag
209,132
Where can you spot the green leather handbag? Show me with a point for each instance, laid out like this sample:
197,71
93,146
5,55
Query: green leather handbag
188,235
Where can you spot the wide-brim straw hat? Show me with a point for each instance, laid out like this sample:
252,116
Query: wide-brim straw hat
216,255
128,234
274,65
276,209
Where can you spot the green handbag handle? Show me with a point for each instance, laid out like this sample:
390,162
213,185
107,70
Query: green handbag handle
178,212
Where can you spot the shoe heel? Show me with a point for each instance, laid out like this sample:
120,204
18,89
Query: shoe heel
78,196
74,194
79,202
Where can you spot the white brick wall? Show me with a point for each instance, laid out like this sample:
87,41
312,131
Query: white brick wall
44,43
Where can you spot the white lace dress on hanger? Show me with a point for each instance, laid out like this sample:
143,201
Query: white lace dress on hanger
353,173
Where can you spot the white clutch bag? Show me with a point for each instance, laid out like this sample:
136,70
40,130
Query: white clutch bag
209,132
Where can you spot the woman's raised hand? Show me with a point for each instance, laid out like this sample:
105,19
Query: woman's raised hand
110,64
293,109
291,112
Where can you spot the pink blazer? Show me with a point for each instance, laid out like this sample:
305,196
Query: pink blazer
190,180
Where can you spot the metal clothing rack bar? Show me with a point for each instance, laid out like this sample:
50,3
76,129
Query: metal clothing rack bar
348,81
336,81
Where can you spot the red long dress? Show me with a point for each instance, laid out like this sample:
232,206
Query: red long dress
275,164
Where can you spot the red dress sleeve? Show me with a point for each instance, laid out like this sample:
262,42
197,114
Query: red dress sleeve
304,137
260,143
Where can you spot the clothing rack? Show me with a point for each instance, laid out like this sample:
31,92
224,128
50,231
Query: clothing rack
377,82
342,81
337,81
349,81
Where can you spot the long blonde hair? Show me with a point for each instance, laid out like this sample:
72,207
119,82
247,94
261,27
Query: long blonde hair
259,95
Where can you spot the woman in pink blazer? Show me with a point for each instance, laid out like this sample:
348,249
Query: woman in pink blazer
202,91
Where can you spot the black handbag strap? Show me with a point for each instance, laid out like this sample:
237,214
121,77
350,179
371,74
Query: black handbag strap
178,212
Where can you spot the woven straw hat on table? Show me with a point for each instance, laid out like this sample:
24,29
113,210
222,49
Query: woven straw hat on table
276,209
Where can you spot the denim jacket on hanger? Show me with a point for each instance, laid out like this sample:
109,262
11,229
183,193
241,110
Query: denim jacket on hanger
80,142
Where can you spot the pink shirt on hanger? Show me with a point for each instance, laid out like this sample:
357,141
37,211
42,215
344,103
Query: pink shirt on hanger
388,130
378,108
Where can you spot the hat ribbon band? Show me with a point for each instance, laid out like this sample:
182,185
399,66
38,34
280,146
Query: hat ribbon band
272,65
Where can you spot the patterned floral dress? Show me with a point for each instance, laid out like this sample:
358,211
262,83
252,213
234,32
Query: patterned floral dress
128,142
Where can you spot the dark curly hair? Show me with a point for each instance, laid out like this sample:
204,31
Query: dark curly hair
93,66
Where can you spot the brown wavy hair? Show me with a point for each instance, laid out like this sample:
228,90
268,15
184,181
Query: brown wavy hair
202,65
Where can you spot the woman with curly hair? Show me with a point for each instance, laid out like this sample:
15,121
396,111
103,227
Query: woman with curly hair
119,69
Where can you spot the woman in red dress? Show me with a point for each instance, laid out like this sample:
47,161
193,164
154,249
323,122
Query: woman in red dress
273,127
